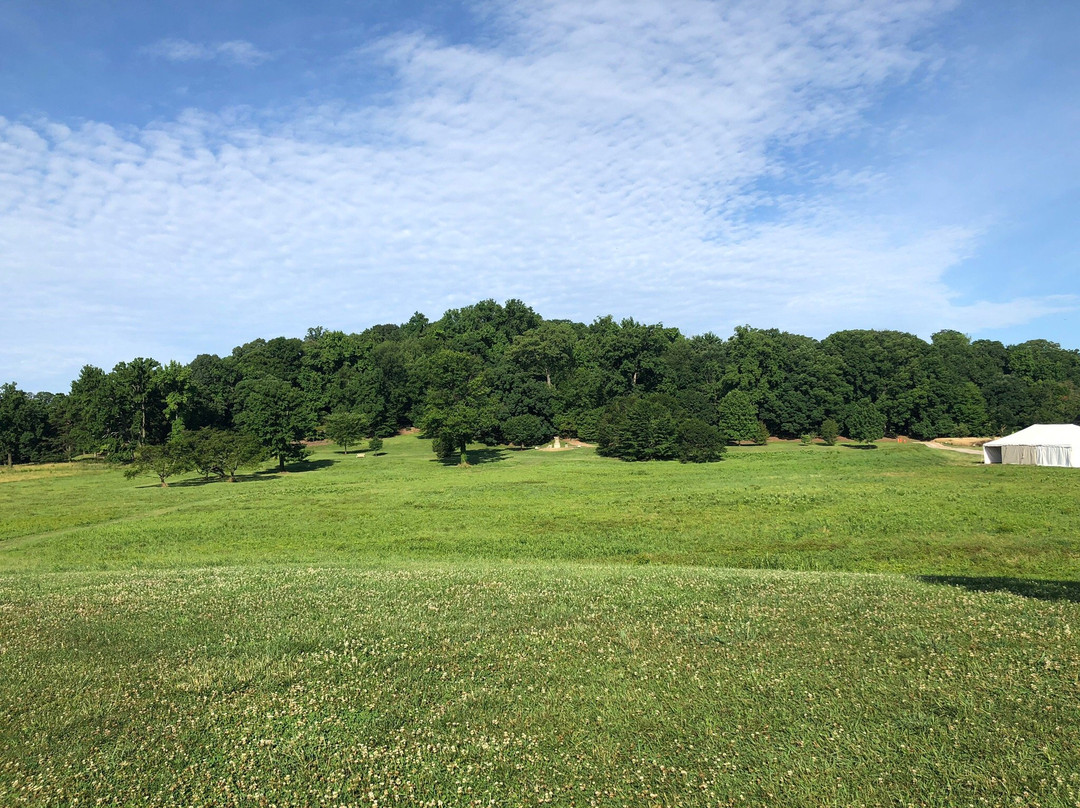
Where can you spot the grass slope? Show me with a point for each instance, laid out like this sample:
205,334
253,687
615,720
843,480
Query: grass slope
390,630
899,508
533,685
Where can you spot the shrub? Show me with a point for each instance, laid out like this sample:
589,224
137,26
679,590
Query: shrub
761,436
829,431
699,442
525,430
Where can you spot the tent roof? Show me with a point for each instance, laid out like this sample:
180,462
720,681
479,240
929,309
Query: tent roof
1042,435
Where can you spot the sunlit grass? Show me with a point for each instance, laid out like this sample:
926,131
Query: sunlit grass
544,628
896,508
532,685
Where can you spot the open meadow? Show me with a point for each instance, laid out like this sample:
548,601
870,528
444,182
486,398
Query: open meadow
794,625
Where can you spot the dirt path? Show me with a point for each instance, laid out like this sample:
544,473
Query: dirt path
935,445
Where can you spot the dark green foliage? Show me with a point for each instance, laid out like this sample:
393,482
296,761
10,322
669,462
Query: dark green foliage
476,368
460,408
28,432
375,445
737,417
699,442
865,423
525,430
274,413
141,401
213,383
829,431
639,428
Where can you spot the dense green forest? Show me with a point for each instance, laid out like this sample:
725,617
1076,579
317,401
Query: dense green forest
502,374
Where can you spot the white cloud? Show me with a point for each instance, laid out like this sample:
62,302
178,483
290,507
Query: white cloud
235,51
601,157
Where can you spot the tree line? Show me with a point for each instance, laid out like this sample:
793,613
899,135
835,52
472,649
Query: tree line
502,374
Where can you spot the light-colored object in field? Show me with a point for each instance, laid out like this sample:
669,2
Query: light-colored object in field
558,444
361,454
1038,445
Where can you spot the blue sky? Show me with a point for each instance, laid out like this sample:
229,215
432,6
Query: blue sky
182,178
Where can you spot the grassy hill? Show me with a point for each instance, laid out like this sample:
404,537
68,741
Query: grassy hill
899,508
544,628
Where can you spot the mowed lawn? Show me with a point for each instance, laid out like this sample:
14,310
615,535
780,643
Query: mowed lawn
544,628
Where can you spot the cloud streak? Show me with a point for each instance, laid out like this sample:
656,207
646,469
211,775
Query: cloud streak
236,52
595,157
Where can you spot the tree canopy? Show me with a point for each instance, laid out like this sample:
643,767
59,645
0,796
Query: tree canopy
501,373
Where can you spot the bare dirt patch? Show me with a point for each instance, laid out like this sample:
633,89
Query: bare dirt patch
963,449
964,443
567,444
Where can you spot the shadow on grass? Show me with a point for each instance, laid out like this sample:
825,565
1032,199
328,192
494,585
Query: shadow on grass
1024,587
859,445
477,457
258,476
307,465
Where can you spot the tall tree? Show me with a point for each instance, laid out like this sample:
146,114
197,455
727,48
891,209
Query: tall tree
275,413
459,408
546,350
140,398
15,417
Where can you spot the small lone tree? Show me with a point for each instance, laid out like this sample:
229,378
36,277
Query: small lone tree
865,423
829,431
762,435
737,417
375,445
344,428
164,461
230,451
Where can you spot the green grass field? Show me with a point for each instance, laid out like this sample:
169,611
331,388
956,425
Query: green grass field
544,628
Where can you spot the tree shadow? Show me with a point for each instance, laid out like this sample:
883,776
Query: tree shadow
254,477
477,457
300,466
859,445
1024,587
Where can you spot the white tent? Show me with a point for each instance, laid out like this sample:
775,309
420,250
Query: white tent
1038,445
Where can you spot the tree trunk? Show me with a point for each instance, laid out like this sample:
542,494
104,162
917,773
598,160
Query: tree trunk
547,373
281,462
9,459
464,455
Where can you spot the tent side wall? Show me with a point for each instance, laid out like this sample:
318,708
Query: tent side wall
1061,456
1019,455
991,454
